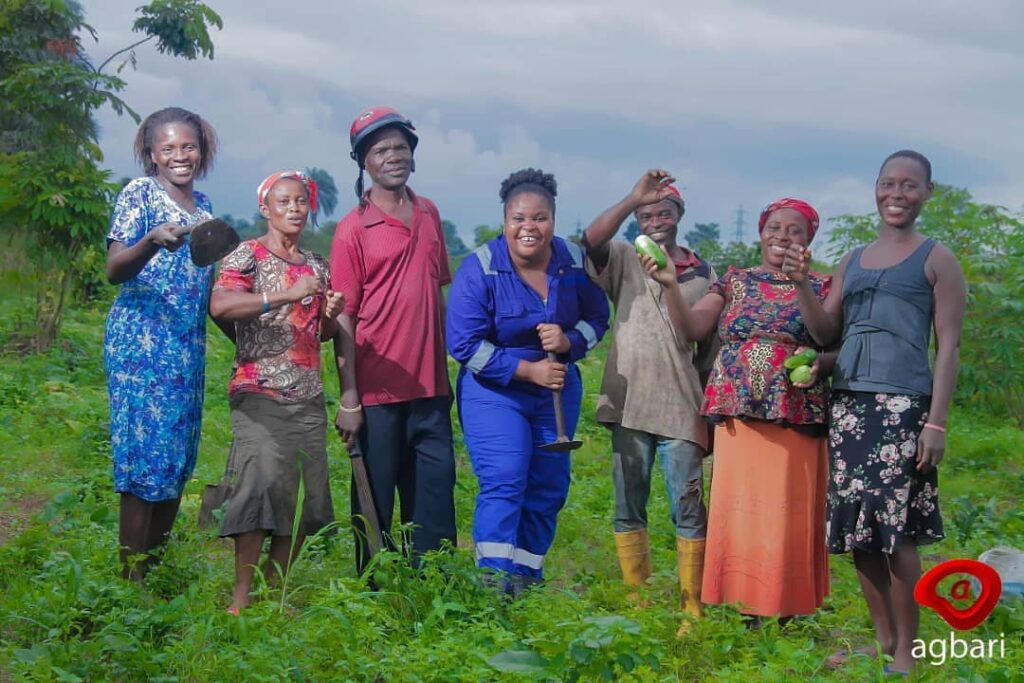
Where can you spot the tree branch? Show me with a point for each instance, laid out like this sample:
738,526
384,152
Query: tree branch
123,50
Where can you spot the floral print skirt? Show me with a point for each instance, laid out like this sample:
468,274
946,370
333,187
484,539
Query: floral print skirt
877,500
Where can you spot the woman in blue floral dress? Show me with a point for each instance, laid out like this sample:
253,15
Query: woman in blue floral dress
155,344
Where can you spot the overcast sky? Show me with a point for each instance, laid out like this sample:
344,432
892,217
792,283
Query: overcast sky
744,101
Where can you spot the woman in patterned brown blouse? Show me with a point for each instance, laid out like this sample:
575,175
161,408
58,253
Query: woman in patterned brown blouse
279,298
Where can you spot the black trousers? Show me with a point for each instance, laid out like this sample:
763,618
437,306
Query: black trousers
407,447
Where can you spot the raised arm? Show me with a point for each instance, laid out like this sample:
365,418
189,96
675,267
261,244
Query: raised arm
652,187
950,295
823,319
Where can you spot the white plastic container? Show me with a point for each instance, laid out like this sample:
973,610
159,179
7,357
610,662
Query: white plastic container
1009,564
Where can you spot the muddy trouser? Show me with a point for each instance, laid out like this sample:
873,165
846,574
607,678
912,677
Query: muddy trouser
408,446
632,460
522,488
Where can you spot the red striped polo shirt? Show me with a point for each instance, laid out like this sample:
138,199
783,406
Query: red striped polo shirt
391,275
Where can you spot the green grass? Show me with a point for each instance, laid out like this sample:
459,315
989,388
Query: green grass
65,616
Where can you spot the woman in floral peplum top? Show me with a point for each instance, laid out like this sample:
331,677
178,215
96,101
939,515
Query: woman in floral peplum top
766,519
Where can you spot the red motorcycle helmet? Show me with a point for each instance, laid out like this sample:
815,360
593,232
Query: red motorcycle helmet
373,119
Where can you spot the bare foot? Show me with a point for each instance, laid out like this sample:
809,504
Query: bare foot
902,662
840,658
239,598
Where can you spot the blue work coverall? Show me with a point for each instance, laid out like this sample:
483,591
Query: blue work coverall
492,325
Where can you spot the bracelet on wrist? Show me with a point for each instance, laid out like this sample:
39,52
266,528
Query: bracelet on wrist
266,303
938,428
356,409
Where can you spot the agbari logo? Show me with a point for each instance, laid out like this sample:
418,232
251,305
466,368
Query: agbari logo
926,592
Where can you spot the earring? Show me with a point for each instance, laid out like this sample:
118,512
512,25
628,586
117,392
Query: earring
412,166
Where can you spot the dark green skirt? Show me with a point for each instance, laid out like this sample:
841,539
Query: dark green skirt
275,445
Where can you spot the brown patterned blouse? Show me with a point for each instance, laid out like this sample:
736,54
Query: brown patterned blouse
278,353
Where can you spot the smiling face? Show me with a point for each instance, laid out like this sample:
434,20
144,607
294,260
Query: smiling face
783,228
286,207
660,221
388,158
901,190
529,226
176,154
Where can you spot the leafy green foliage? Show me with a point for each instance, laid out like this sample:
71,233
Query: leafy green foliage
244,228
60,95
482,234
326,188
65,614
702,233
64,202
849,231
735,254
452,242
55,197
592,649
33,33
179,26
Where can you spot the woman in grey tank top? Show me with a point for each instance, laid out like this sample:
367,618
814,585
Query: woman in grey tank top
887,432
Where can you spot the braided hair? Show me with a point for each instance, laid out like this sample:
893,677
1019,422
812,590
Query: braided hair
529,180
204,133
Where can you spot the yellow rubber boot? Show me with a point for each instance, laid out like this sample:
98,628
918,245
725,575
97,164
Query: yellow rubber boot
634,556
691,573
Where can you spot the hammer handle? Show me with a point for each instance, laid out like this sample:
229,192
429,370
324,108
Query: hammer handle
556,398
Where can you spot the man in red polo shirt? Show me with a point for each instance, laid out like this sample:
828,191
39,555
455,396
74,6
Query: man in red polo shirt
390,261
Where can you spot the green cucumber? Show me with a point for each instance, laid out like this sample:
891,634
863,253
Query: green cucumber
800,375
805,357
648,247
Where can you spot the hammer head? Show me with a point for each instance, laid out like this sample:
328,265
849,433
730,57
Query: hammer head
211,241
561,445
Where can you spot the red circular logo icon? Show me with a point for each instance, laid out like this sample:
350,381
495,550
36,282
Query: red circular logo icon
926,592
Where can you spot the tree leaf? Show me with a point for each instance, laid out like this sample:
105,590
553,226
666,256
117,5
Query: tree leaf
518,661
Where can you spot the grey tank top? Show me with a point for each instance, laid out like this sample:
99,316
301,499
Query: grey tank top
887,322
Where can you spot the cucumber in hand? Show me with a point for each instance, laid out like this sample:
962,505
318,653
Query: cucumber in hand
805,357
645,246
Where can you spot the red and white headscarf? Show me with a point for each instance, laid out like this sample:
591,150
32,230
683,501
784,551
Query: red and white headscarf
676,196
798,205
264,189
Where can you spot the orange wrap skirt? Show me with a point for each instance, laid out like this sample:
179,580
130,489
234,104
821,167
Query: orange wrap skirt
766,548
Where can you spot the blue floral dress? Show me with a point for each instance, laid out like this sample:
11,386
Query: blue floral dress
154,351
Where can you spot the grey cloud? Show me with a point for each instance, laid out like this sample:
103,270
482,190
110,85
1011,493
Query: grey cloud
745,101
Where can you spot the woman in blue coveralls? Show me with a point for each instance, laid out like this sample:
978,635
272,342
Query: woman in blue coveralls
513,300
